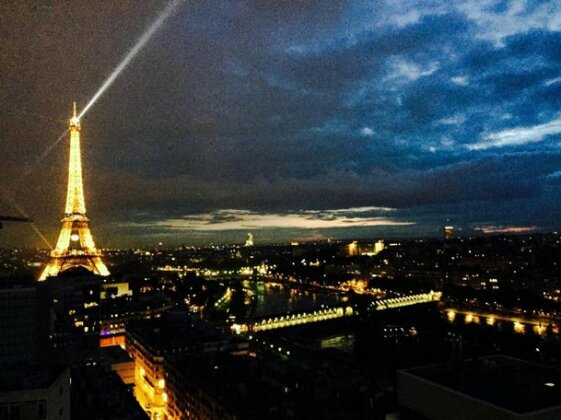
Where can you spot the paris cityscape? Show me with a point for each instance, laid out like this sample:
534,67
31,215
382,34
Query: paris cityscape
280,210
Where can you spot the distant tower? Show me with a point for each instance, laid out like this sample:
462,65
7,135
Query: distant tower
353,249
448,232
75,246
249,240
379,246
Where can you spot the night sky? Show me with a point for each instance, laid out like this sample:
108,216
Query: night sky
293,119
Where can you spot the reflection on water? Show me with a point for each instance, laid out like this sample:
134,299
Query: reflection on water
469,318
271,298
451,316
539,329
501,324
519,327
344,342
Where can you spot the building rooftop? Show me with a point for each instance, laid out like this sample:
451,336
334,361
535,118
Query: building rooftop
98,394
27,377
175,333
503,381
236,383
114,354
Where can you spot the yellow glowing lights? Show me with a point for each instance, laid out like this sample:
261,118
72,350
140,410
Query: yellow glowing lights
74,122
519,327
539,329
451,315
75,224
75,203
161,384
490,321
296,319
352,249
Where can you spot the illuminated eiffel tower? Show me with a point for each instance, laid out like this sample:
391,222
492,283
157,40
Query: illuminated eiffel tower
75,246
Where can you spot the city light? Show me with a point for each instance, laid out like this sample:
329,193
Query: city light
75,224
308,210
519,327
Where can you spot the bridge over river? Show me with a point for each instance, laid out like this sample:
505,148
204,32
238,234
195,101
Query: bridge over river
305,317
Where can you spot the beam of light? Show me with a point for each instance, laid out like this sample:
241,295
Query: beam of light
38,160
40,234
164,14
144,39
49,148
23,213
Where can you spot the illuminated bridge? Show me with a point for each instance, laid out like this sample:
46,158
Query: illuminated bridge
291,320
324,314
398,302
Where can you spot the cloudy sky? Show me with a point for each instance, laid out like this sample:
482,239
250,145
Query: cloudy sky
291,119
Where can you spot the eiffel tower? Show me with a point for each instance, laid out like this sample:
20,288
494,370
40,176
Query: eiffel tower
75,246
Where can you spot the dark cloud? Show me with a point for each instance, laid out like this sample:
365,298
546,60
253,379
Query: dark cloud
276,106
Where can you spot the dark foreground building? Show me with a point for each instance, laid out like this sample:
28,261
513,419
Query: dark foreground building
495,387
34,393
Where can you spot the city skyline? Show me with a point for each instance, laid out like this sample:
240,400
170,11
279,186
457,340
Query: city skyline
366,121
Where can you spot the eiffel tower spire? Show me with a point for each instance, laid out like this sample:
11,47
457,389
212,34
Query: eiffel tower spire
75,246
